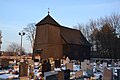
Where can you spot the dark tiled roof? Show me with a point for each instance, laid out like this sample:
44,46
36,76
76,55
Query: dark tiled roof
72,36
47,20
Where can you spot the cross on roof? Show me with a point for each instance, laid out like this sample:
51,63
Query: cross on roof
48,10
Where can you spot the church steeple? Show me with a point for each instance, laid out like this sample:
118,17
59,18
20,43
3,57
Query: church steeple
48,20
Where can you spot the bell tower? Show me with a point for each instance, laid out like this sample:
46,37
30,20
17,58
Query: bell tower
48,38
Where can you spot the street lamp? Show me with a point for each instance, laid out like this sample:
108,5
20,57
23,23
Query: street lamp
21,34
0,39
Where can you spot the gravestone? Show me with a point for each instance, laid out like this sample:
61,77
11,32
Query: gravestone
4,62
87,61
119,63
60,75
57,63
112,63
83,65
31,62
51,75
89,71
67,60
78,74
104,64
118,72
23,69
64,62
107,74
69,66
52,67
66,74
22,78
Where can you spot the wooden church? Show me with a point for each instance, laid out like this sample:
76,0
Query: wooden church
56,41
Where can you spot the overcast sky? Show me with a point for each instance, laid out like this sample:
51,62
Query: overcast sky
16,14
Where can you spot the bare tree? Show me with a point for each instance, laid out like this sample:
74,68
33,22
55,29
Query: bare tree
15,48
109,30
85,30
103,33
30,32
115,22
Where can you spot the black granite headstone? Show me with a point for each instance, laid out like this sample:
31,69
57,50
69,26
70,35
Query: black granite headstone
66,74
57,63
118,73
48,65
44,67
4,63
52,77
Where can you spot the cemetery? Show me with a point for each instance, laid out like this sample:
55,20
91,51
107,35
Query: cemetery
63,69
62,54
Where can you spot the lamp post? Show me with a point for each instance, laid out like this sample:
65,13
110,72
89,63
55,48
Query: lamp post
21,34
0,39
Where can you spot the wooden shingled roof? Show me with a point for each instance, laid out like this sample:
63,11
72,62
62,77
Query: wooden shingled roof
47,20
73,36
